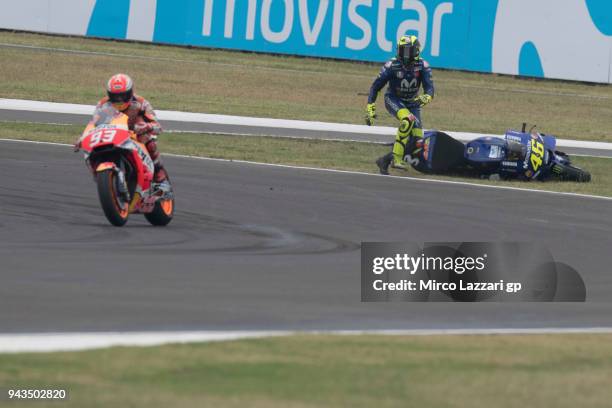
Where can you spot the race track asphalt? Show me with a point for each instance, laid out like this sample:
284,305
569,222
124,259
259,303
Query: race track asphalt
265,247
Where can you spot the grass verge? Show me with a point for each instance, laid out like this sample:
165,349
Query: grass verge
238,83
331,371
353,156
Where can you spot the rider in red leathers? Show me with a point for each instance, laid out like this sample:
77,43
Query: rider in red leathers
141,117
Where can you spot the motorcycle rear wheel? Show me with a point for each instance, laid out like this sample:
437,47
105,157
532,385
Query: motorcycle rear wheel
572,173
162,213
115,211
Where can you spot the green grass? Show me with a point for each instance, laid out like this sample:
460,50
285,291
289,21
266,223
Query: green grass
250,84
352,156
330,371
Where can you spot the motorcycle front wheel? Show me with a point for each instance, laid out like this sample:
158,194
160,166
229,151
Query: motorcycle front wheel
115,210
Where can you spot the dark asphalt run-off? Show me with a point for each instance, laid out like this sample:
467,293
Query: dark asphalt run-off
266,247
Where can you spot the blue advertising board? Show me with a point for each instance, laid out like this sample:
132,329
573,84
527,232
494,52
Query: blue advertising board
364,30
568,39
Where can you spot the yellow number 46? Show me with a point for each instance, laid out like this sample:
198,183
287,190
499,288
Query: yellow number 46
537,154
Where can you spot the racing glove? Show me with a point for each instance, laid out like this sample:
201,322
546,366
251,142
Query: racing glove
370,114
142,128
423,99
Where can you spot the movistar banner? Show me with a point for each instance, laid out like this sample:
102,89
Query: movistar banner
567,39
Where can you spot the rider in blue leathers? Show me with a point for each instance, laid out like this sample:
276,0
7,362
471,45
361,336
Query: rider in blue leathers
405,74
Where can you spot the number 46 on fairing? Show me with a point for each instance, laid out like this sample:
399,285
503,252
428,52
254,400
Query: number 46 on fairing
537,154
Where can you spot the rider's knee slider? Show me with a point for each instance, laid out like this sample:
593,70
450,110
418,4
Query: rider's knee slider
406,124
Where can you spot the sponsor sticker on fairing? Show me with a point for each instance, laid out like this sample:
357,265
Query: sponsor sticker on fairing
495,152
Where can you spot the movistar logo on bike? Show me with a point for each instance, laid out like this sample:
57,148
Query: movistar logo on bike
527,154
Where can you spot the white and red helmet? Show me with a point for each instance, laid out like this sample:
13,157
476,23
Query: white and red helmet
120,91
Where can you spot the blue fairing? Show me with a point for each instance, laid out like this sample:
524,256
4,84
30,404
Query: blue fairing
429,138
550,142
518,155
486,149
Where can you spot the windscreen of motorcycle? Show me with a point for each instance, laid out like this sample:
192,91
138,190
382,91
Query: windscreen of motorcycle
515,151
108,115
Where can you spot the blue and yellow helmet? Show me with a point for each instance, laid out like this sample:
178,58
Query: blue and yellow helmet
408,49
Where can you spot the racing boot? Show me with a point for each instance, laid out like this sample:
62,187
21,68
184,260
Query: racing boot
161,180
160,174
384,162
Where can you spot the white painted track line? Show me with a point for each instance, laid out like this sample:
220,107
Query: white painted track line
404,178
249,122
57,342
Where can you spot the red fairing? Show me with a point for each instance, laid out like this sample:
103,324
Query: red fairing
143,165
139,157
102,137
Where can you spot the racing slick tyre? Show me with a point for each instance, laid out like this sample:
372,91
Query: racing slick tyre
571,173
115,210
162,212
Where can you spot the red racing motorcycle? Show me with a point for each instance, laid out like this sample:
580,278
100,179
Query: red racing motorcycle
123,170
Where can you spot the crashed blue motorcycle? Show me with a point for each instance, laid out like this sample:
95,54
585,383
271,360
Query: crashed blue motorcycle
518,156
